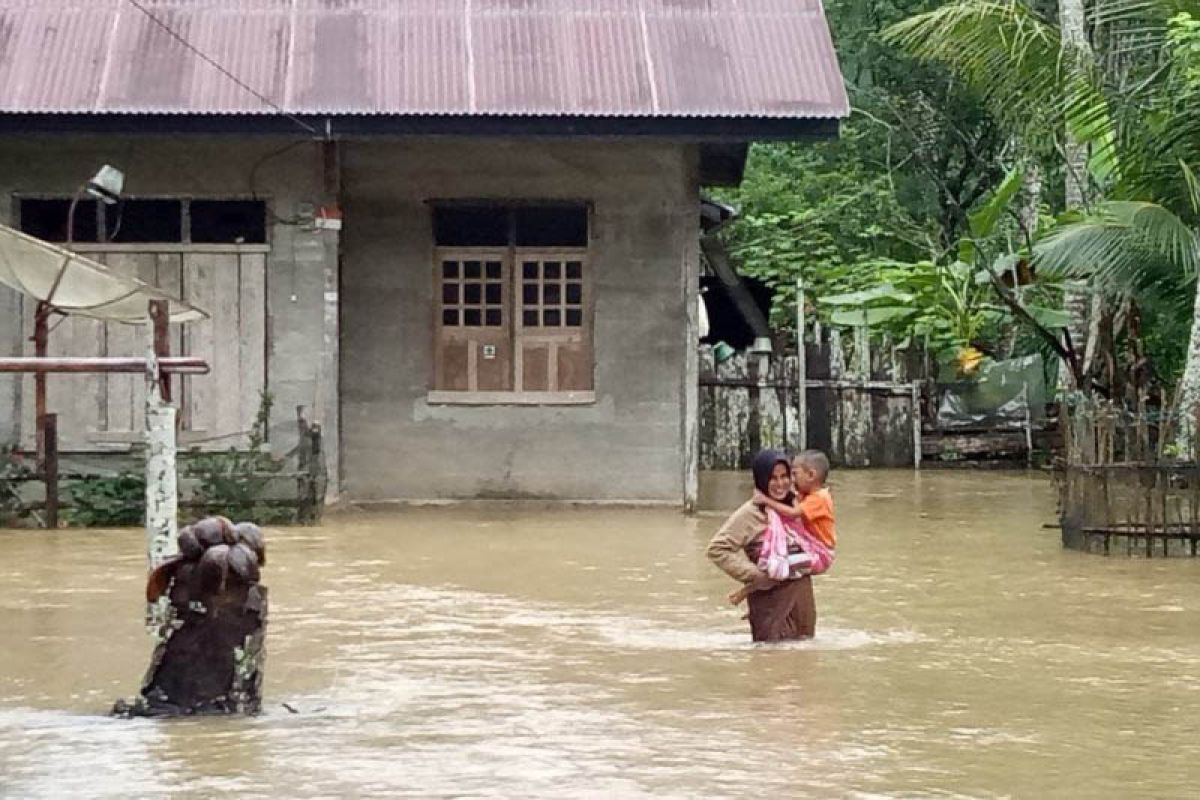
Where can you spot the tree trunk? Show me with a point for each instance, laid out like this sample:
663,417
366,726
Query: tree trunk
1076,53
1189,385
1027,214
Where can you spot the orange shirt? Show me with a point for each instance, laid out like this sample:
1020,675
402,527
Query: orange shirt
817,509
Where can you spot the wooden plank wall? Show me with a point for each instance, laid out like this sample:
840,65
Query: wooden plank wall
859,421
105,412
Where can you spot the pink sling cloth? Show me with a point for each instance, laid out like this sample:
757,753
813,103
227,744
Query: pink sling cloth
773,555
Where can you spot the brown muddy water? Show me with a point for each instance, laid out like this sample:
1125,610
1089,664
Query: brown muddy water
450,652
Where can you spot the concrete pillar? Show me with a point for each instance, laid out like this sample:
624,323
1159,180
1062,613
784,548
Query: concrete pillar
329,415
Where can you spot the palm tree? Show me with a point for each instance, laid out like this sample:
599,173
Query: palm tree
1135,103
1028,67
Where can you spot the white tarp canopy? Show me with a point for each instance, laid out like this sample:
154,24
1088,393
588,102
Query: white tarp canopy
32,266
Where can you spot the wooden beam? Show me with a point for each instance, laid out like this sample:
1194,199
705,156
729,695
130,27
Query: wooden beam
718,259
49,424
160,319
41,340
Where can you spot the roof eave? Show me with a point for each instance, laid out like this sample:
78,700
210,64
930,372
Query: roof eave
715,129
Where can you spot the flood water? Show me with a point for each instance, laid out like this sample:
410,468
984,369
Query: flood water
455,652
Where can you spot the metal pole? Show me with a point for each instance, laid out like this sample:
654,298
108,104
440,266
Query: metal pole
175,365
41,338
801,369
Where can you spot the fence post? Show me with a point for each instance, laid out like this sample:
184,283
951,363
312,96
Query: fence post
916,424
801,370
49,436
311,466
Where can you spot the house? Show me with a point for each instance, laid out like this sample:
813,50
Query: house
463,234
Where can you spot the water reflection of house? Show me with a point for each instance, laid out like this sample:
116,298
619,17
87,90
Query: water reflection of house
506,309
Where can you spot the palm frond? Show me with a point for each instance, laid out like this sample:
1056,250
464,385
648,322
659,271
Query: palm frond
1142,15
1124,245
1001,48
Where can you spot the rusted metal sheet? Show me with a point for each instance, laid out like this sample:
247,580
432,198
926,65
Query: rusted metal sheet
656,58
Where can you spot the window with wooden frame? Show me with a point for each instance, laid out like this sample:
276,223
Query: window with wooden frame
513,293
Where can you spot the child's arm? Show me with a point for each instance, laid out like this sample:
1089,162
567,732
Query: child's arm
759,584
790,511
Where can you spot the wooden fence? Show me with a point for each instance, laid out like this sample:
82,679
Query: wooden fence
1124,486
236,483
859,405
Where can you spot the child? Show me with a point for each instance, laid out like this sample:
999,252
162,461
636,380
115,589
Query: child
809,518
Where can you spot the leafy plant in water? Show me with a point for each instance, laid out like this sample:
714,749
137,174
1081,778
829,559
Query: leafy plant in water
12,469
232,483
114,501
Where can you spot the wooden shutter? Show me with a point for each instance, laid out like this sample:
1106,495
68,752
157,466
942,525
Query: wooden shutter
220,407
217,408
472,321
553,321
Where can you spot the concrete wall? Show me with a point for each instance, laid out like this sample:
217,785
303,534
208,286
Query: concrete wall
629,443
298,268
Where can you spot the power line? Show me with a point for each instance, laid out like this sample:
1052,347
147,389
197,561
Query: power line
204,57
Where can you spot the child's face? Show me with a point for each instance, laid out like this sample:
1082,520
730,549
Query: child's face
807,479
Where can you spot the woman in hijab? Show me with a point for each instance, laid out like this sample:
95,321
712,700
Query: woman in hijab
779,610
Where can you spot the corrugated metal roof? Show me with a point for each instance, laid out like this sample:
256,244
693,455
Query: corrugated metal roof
653,58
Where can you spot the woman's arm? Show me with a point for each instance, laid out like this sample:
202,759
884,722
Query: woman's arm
727,548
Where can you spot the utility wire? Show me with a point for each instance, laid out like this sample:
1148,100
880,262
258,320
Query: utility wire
177,37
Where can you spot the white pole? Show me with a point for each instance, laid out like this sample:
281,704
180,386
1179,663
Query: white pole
161,499
801,369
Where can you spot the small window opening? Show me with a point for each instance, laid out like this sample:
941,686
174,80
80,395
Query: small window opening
470,226
552,226
229,221
144,221
501,226
47,219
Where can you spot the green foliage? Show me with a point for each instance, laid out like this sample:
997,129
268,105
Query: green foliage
883,207
12,470
1133,98
117,501
232,483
